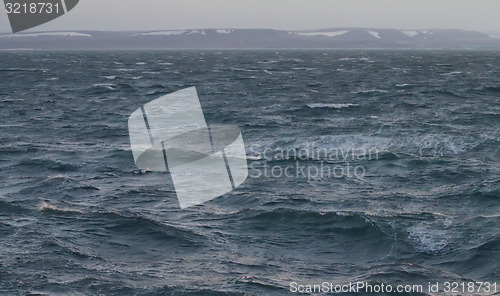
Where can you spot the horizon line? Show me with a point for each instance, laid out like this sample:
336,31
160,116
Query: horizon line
228,28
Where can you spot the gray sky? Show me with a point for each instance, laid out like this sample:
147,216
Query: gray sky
481,15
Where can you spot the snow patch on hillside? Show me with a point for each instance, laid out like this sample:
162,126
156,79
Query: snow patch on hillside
326,34
410,33
201,32
374,34
163,33
224,31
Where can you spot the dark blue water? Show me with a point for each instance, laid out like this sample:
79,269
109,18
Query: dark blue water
78,218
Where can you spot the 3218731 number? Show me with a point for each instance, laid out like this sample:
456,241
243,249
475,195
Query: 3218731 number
32,8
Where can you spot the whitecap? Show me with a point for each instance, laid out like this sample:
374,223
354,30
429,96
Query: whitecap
334,106
367,91
44,206
428,237
105,85
452,73
267,62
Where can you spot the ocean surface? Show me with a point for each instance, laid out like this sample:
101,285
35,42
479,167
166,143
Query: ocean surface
421,127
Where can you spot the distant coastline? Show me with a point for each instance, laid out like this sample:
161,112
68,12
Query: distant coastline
334,38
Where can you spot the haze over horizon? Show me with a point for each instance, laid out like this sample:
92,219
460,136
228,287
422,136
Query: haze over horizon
152,15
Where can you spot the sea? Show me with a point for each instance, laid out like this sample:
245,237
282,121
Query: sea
365,166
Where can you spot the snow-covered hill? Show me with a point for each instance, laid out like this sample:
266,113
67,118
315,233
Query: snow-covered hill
251,38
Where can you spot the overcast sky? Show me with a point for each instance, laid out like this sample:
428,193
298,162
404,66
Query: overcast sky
481,15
